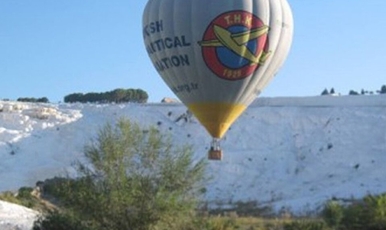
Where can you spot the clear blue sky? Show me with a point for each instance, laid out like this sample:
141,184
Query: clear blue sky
54,48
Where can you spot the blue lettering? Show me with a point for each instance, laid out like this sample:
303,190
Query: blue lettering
167,43
172,62
152,28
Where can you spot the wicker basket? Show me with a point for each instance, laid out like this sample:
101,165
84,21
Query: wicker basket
215,155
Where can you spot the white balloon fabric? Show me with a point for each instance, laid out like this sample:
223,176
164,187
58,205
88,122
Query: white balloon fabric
217,55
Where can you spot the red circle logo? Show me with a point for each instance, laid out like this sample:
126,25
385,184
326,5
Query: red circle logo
235,45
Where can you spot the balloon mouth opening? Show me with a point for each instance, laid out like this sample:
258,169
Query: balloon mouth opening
216,117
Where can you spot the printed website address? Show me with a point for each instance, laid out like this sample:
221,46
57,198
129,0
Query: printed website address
185,88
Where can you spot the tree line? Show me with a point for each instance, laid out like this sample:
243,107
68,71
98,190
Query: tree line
116,96
353,92
33,99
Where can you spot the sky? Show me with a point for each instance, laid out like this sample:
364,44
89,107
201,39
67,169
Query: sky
55,48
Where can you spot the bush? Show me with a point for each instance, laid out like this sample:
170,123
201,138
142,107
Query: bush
333,214
218,223
59,221
368,213
25,193
9,197
377,206
133,180
23,197
306,225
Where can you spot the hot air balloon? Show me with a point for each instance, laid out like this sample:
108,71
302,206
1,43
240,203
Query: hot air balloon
217,55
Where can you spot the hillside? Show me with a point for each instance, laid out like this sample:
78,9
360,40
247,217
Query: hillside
288,153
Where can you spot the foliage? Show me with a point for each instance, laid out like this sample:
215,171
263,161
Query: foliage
306,225
32,99
377,207
241,223
218,223
352,92
59,221
383,89
117,96
23,197
325,92
332,214
368,213
9,197
25,192
355,217
244,208
134,180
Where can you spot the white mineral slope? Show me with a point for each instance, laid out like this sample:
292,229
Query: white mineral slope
292,153
16,217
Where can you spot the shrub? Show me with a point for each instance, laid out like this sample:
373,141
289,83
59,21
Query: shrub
59,221
356,216
25,192
332,214
377,208
25,197
306,225
22,197
368,213
9,197
133,180
218,223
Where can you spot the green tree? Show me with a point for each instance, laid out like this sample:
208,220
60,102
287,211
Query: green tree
118,95
33,99
325,92
134,179
43,100
91,97
383,89
74,97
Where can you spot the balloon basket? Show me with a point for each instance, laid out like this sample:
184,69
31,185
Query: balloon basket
215,155
215,152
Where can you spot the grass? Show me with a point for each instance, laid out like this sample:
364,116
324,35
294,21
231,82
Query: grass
365,212
255,223
229,221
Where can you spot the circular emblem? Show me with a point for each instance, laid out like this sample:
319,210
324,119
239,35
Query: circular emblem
235,44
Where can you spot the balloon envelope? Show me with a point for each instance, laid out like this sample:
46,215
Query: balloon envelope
216,55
